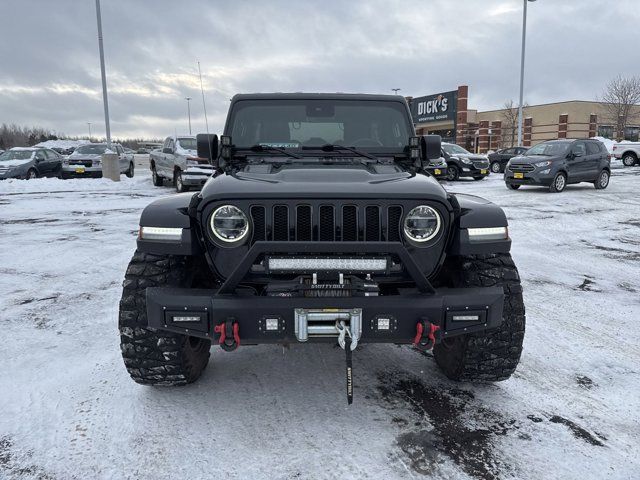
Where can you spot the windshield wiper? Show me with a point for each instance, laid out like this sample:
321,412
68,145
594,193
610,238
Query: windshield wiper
335,148
269,148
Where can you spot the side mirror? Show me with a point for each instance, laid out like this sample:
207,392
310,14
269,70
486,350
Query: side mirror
430,147
167,150
208,147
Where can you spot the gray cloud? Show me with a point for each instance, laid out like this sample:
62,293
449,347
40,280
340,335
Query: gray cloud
49,70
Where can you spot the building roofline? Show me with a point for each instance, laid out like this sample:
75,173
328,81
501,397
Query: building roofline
543,105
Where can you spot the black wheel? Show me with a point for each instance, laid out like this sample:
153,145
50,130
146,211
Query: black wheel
495,167
153,357
177,181
157,179
130,171
629,160
602,181
513,186
453,173
31,174
492,355
559,183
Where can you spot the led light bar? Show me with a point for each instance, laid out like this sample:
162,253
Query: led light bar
186,318
488,233
466,318
165,234
328,264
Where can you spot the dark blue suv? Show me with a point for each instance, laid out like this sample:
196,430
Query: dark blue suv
557,163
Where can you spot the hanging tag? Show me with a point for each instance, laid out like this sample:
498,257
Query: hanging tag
347,350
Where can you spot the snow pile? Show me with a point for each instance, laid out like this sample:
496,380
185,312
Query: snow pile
56,185
62,143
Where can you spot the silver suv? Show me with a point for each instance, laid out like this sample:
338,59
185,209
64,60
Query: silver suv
86,161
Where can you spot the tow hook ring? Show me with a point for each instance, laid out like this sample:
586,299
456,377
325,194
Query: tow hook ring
426,335
229,335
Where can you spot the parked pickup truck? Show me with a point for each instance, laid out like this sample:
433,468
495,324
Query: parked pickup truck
629,152
177,161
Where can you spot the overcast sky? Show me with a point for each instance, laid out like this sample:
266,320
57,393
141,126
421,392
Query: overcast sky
50,71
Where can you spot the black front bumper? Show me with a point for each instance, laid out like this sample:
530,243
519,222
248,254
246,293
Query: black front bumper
207,309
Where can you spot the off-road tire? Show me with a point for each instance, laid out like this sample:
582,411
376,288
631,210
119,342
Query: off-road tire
157,179
602,181
453,173
155,357
491,355
558,186
130,171
629,160
513,186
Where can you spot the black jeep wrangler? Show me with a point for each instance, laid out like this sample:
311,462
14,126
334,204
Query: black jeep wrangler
320,225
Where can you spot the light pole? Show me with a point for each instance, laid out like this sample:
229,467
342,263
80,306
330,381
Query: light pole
188,99
524,34
395,90
89,123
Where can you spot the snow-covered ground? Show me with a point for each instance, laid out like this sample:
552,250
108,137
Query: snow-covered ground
69,410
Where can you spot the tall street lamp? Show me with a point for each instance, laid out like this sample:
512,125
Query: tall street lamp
524,34
396,90
89,123
188,99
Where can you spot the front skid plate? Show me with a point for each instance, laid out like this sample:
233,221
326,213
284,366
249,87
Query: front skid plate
196,312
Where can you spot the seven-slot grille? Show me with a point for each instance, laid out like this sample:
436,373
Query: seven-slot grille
326,223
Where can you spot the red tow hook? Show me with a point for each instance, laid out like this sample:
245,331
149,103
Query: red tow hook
425,337
229,335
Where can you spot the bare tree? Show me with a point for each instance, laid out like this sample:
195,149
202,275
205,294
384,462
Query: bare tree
620,102
509,124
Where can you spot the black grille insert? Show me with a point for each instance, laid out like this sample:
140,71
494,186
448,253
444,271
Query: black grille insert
303,224
327,224
280,223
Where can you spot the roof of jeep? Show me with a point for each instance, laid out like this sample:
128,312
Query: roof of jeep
316,96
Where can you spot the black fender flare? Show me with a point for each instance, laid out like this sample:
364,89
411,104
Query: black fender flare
171,212
476,212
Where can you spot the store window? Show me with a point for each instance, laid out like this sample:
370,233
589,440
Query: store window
606,131
631,133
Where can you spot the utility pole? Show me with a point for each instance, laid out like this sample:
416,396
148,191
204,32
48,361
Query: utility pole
188,99
89,123
524,35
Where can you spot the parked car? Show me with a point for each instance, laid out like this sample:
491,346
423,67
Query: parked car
437,168
86,161
30,163
557,163
142,151
178,162
498,160
628,152
318,229
462,163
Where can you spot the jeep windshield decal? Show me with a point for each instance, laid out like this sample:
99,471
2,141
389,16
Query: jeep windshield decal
314,126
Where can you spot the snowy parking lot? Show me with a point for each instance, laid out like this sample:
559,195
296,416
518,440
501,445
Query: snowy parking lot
68,408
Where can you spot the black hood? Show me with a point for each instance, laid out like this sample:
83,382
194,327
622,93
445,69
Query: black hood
323,181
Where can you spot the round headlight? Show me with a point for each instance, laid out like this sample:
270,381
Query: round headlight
422,224
229,224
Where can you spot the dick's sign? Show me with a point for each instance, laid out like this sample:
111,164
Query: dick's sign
434,108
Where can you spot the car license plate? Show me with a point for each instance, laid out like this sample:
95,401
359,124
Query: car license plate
437,171
483,171
518,175
79,169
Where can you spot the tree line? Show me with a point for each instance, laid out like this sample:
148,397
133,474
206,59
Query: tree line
12,135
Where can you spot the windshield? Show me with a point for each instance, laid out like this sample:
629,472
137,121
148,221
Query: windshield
380,126
91,149
549,149
188,143
16,155
455,150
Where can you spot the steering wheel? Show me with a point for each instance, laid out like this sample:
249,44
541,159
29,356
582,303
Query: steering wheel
366,142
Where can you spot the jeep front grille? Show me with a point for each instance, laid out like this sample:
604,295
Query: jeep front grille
326,223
